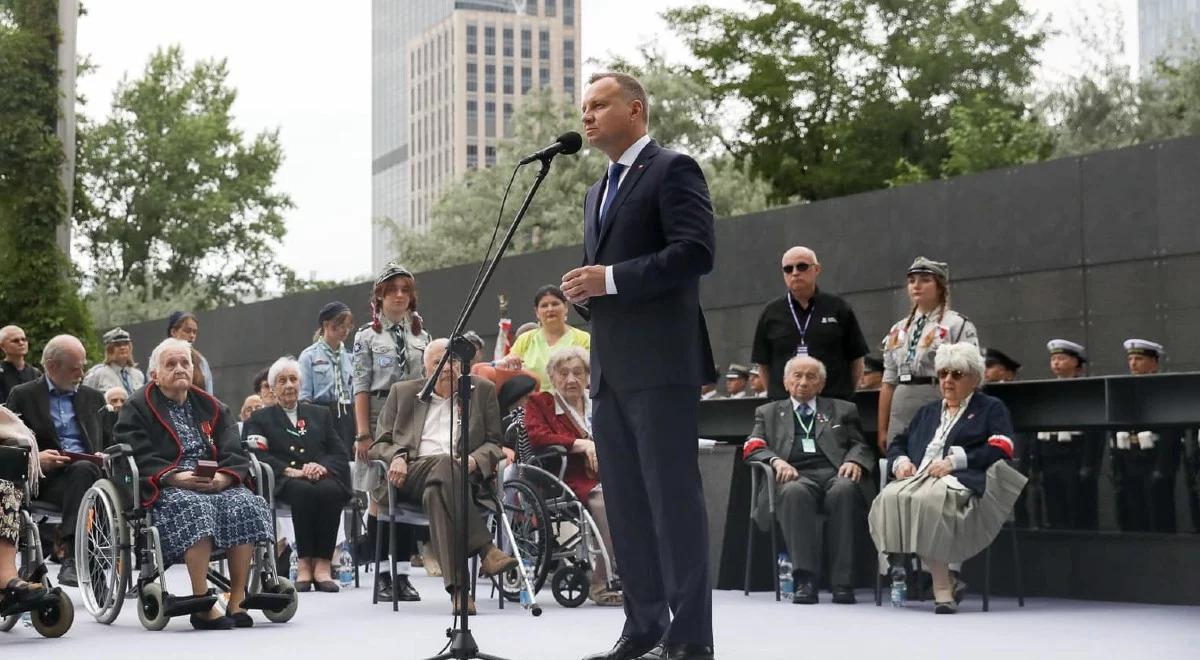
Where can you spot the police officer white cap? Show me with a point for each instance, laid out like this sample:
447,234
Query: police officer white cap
1056,346
1144,347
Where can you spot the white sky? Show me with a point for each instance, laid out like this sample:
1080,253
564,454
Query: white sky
304,67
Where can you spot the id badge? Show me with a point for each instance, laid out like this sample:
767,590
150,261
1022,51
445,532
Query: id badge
810,445
801,350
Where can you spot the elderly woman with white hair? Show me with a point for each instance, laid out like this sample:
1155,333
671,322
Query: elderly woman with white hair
953,488
172,426
312,470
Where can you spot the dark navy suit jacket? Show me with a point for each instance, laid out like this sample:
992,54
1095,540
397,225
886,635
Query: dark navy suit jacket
984,431
658,237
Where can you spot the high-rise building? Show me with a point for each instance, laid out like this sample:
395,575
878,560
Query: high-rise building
447,76
1166,27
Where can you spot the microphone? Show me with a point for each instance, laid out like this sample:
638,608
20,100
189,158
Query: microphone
567,143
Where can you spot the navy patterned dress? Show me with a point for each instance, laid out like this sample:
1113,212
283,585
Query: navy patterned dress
234,516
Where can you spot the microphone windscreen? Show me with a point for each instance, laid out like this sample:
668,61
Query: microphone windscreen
572,142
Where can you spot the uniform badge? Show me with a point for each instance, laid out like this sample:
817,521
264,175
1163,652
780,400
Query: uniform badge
300,427
385,361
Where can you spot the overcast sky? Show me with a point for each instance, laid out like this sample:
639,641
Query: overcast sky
304,67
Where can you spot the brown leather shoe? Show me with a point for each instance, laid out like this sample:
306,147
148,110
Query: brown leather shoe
494,561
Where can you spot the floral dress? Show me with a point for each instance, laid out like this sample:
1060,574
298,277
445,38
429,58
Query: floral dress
10,506
234,516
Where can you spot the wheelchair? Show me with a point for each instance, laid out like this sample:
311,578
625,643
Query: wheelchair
52,613
114,529
553,527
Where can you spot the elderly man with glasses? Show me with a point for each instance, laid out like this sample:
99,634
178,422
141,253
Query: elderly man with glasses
14,370
808,321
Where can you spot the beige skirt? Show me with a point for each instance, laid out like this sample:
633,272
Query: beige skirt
934,519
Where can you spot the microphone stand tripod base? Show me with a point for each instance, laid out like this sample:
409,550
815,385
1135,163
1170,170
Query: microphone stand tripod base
463,647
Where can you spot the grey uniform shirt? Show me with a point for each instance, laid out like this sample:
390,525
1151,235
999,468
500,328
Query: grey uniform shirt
948,328
375,362
104,377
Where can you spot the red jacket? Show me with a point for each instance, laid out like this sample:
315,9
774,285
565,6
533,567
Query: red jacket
546,429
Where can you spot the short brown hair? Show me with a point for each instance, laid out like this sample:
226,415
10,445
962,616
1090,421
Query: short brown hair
631,87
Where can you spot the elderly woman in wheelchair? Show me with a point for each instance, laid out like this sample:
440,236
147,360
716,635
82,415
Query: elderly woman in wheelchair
27,589
193,477
560,421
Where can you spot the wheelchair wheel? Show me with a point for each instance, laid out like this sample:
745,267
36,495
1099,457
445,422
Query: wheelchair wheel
282,585
570,586
152,610
102,552
53,618
7,623
532,529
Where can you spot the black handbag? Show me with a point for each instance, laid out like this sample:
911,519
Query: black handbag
14,463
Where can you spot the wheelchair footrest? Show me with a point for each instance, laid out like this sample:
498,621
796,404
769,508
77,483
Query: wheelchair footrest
265,601
180,605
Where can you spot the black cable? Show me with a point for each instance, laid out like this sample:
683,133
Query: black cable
492,243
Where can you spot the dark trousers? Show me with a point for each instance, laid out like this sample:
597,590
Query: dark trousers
65,488
800,504
1145,498
1070,499
646,443
316,512
435,482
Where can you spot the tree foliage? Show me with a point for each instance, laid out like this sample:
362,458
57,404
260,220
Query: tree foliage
37,287
174,195
835,93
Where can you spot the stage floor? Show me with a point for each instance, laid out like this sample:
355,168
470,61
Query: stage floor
345,625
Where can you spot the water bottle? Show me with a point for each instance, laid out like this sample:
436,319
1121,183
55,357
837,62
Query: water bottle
345,566
26,620
294,568
787,585
899,588
526,597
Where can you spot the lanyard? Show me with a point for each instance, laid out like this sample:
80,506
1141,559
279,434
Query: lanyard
802,329
807,428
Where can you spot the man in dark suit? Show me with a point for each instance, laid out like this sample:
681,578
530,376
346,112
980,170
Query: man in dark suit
648,237
816,447
65,417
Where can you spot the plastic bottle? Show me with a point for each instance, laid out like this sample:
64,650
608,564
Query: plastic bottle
787,585
526,597
26,620
294,568
345,566
899,588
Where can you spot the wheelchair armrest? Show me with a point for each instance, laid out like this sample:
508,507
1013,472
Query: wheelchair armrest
119,450
883,473
264,479
553,451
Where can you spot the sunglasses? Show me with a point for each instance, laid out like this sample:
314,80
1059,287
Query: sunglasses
801,267
953,373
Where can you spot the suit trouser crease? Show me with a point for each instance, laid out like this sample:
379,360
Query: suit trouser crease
646,444
66,488
801,504
435,484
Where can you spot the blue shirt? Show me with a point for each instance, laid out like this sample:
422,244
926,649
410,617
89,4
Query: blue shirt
62,411
321,369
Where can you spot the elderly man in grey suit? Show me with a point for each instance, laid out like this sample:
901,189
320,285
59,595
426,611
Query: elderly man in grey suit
821,462
418,441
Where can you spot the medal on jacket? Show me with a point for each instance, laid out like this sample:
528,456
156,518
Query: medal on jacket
207,430
300,427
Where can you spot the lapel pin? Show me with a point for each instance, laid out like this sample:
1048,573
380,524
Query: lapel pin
971,416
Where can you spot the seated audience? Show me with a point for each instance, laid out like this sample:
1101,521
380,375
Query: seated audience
477,342
14,433
114,400
872,376
251,404
262,387
418,442
563,417
821,460
14,370
312,471
65,417
171,425
532,350
512,396
183,325
118,369
953,488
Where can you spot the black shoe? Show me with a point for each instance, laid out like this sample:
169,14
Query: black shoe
689,652
945,608
241,619
219,623
626,648
806,593
67,575
843,595
657,653
405,592
383,590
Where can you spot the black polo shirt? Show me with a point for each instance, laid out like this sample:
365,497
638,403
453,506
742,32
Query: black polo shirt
833,336
10,377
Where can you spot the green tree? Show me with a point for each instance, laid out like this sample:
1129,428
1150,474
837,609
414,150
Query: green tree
174,195
463,218
37,287
835,93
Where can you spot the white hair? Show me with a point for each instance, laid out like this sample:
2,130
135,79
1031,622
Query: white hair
963,356
564,354
806,359
165,345
57,348
439,344
114,390
285,362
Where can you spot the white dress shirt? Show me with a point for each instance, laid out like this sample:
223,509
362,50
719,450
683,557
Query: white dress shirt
627,159
439,434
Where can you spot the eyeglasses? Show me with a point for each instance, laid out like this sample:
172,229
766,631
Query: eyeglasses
953,373
801,267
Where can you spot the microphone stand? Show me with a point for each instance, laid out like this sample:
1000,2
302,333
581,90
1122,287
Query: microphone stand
462,642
